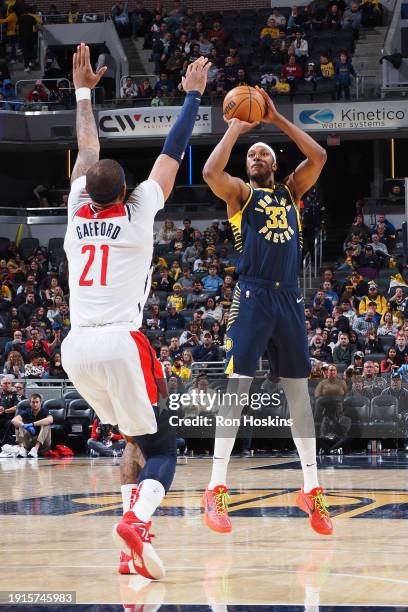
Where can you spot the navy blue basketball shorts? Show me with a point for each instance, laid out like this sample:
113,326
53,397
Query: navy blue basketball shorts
267,316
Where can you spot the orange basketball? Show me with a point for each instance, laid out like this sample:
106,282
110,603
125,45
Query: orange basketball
244,103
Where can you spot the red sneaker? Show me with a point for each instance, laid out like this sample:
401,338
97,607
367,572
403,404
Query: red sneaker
315,505
126,565
132,537
215,502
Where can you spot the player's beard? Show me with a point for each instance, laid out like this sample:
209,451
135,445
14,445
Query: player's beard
261,177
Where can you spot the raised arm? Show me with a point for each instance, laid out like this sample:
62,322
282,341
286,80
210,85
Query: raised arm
308,171
167,164
229,188
85,79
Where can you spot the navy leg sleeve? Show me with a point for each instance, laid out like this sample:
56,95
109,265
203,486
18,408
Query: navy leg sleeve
159,451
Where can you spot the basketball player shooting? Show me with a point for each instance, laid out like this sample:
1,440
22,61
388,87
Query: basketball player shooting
267,311
109,246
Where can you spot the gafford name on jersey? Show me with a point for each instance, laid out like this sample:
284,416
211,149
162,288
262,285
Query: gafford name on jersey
98,228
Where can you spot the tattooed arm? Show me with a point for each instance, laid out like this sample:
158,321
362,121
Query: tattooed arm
87,134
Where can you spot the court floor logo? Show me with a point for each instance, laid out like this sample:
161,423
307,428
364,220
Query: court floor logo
315,116
251,503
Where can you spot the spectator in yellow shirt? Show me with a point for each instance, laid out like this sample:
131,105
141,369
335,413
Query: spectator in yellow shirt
179,368
73,14
11,33
281,86
326,67
177,297
269,33
373,296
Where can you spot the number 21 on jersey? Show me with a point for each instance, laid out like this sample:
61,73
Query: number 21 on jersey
95,271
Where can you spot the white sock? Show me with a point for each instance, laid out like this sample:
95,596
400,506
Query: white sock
129,492
303,428
222,453
150,494
237,385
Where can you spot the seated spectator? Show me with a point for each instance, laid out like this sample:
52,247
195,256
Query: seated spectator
295,21
212,282
371,380
217,333
35,336
320,299
174,319
301,47
9,98
219,87
382,220
207,351
191,337
319,350
279,86
212,311
372,344
55,369
292,71
33,428
120,17
14,365
332,385
177,298
389,364
373,296
398,303
334,430
38,93
17,344
105,440
359,228
129,89
164,85
387,326
165,283
218,36
186,280
379,248
35,368
401,348
396,195
279,18
326,68
401,394
344,71
8,403
20,390
368,264
89,15
366,322
166,233
352,17
145,90
197,296
344,352
73,15
334,18
178,368
269,32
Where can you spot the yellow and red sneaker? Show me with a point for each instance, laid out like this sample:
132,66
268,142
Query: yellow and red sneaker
215,502
133,537
315,505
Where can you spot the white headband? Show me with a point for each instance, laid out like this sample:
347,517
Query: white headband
266,146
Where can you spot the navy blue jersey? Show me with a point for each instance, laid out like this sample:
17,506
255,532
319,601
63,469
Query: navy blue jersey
268,235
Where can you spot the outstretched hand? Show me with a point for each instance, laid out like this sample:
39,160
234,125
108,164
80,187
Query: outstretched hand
196,75
83,75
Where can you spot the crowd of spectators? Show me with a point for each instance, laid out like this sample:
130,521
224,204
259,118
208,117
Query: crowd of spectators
357,322
285,51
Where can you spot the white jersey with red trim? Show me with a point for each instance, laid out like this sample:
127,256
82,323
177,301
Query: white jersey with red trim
109,255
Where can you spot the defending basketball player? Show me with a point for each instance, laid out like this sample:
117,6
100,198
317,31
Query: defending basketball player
109,245
267,312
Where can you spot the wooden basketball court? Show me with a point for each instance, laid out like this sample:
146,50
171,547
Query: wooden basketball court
56,518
